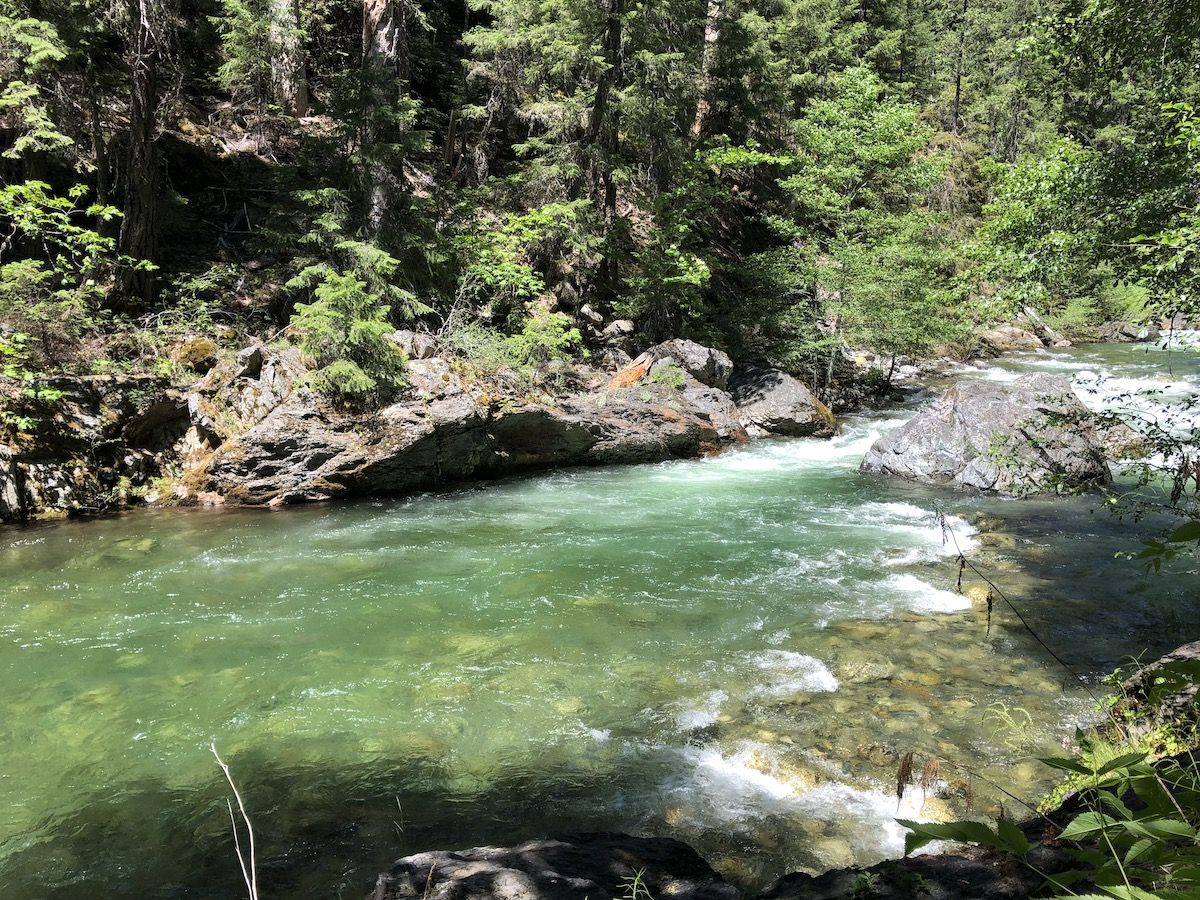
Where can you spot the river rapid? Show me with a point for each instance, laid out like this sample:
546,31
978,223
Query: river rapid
734,651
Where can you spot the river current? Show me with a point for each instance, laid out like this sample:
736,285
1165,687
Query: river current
736,651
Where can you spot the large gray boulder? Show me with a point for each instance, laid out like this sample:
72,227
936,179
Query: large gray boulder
596,866
303,451
1031,436
710,367
772,402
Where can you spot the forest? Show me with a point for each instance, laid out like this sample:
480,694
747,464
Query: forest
894,303
517,175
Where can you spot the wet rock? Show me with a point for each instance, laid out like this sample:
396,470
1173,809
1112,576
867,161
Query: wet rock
719,407
571,868
772,402
1031,436
861,666
12,488
1009,339
833,852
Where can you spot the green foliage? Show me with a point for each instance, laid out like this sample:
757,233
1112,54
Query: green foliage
329,251
27,47
345,331
1171,258
1044,228
1137,832
55,295
544,336
245,28
669,375
503,263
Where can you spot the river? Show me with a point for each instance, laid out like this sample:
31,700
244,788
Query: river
735,651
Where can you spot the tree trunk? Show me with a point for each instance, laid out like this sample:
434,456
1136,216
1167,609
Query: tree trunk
289,83
708,63
139,227
602,141
603,132
384,71
958,67
99,147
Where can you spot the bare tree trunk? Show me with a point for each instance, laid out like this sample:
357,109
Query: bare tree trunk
958,67
708,63
384,71
603,129
602,141
289,82
139,226
99,147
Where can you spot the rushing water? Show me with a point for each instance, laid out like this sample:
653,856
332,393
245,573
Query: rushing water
734,651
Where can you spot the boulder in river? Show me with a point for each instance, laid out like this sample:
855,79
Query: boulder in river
598,866
773,402
1031,436
305,451
1127,333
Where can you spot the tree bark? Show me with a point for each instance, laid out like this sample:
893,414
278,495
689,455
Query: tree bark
958,67
603,122
138,240
384,71
289,82
708,63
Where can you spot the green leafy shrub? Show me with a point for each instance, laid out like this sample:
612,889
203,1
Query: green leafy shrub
1136,834
544,336
346,333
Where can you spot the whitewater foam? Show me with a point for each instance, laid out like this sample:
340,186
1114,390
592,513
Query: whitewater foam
920,596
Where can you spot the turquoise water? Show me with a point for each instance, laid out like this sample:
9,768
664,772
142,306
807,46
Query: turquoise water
734,651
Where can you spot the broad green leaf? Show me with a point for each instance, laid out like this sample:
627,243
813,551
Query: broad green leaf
1085,825
1187,532
1012,836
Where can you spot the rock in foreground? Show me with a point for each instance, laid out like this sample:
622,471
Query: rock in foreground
598,866
1031,436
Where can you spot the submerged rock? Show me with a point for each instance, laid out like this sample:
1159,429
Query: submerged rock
589,865
772,402
1031,436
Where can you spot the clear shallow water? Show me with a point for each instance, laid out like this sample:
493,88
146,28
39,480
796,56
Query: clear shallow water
734,651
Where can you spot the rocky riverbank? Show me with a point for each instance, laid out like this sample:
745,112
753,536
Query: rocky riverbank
249,431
